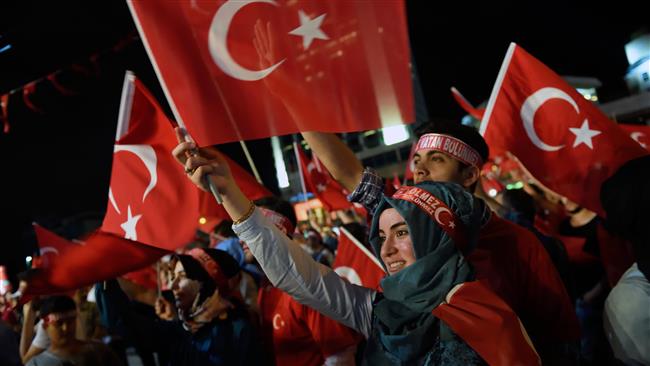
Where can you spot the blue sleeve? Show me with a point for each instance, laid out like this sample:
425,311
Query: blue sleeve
370,191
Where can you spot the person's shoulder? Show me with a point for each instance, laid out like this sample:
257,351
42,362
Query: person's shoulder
45,358
499,229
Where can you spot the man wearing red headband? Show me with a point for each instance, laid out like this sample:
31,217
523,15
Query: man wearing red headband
510,257
59,315
213,326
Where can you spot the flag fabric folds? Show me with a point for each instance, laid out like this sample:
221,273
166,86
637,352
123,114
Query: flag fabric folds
565,141
343,64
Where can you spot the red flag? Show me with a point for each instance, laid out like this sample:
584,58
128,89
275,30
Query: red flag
252,189
51,245
410,168
356,263
467,106
564,140
104,256
343,64
150,198
318,181
638,133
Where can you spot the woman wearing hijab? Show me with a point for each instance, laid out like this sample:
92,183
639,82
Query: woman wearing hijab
430,311
212,326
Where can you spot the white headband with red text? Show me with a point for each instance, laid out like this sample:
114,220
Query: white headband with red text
450,145
437,210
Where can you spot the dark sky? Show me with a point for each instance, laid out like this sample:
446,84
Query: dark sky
56,165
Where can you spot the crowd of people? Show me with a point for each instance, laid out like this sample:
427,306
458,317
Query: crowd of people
471,278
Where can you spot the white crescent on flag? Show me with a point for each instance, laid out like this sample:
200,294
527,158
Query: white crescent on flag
530,107
217,40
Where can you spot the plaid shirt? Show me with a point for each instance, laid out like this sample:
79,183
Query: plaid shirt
369,192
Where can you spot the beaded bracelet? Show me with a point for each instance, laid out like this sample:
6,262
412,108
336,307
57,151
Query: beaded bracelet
248,214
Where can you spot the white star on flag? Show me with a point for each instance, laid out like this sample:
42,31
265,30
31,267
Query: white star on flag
129,225
584,135
452,224
309,29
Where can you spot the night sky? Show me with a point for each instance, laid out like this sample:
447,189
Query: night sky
56,165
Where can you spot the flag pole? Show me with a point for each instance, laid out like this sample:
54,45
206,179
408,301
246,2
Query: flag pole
250,162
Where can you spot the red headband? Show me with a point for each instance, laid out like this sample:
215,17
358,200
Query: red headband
280,221
210,266
450,145
437,210
53,317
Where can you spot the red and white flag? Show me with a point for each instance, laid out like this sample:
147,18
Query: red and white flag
466,105
152,209
151,201
638,133
50,245
356,263
564,140
319,182
343,64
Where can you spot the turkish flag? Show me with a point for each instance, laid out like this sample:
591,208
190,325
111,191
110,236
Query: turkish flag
251,188
104,256
471,309
466,105
344,65
356,263
51,245
150,198
319,181
638,133
563,140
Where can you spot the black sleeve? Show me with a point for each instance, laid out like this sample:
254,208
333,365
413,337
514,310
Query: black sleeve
119,316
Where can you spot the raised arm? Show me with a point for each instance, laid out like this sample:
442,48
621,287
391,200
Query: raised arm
335,155
286,265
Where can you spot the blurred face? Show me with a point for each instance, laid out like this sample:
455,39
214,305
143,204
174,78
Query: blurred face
396,245
436,166
248,255
183,288
62,332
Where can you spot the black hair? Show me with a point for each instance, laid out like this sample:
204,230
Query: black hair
280,206
57,304
466,134
224,228
28,274
194,270
520,201
625,197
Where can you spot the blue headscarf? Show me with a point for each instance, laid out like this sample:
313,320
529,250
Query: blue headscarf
404,330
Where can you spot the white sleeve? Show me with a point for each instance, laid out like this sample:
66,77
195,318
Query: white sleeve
344,358
41,339
292,270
